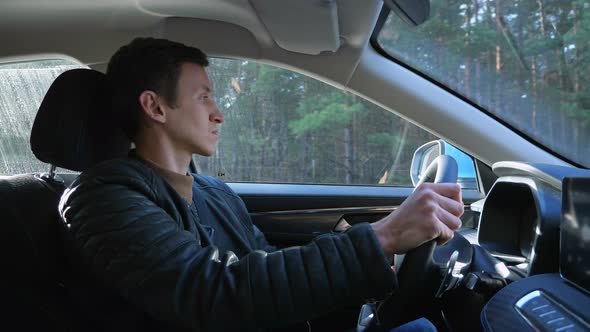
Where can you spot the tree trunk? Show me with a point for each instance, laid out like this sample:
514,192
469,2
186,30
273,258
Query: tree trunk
306,163
348,154
534,93
467,36
576,77
490,90
498,57
398,154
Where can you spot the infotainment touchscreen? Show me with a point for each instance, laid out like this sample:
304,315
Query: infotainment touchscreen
575,232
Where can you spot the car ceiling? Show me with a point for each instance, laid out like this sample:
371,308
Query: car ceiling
91,30
325,39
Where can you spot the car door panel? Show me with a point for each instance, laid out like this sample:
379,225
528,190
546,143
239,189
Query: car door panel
293,214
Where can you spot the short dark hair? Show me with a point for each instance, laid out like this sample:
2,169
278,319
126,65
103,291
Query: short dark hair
147,64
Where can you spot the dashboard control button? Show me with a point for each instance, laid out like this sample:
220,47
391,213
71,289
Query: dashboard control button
545,314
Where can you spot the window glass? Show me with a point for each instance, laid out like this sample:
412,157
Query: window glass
22,88
283,127
525,61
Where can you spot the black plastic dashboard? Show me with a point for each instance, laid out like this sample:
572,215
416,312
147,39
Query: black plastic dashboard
521,215
520,223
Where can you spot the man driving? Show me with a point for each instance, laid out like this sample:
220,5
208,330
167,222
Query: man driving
178,251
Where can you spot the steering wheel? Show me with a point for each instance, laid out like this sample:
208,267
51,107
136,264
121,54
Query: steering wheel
428,271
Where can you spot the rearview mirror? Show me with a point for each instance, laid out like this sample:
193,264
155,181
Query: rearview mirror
414,12
424,155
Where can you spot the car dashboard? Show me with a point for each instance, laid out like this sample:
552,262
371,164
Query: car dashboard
521,224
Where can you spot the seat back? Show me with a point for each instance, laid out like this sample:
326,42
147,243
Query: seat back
74,130
32,255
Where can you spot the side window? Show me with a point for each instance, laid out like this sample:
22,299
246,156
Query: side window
283,127
22,88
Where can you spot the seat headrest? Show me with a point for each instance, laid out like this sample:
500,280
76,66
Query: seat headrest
75,127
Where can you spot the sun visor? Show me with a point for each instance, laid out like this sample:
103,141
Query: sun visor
303,26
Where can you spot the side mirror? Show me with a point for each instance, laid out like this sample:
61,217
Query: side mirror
425,155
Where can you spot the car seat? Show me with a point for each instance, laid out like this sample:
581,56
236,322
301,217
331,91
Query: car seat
73,129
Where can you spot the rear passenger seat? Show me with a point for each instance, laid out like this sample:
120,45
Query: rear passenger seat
73,129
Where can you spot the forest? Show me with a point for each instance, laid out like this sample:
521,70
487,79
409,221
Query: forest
525,61
284,127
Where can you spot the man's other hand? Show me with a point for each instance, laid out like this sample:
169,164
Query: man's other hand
431,212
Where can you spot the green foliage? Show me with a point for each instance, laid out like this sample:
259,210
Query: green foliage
483,39
526,61
328,112
281,126
541,45
384,140
532,70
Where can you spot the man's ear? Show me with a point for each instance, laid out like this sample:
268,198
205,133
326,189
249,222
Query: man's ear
151,106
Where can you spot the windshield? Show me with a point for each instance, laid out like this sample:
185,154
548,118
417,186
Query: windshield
525,61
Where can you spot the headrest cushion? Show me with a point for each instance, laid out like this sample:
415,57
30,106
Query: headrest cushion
75,126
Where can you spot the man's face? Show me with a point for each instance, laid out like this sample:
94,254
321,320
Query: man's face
192,122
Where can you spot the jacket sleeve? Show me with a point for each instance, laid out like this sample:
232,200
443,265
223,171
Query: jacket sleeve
135,247
261,241
242,211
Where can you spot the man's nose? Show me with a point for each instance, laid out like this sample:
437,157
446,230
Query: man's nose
217,116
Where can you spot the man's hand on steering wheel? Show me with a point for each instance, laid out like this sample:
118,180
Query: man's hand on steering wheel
431,212
424,272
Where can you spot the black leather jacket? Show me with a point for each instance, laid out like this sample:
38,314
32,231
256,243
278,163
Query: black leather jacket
134,236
